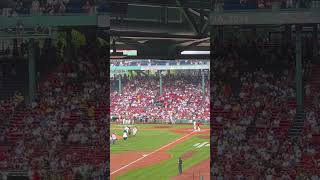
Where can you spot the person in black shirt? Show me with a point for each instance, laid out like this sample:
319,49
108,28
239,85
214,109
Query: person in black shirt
180,165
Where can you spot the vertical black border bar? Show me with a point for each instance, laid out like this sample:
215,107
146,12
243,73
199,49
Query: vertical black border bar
104,33
212,155
108,97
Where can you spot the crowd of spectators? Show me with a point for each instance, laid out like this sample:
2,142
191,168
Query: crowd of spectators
262,4
182,98
38,7
63,132
253,109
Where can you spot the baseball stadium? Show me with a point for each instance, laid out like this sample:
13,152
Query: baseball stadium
159,119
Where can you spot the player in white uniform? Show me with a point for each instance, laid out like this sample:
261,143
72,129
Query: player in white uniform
194,125
134,131
125,135
198,126
126,129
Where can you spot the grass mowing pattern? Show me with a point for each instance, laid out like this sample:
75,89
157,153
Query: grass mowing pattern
169,168
146,140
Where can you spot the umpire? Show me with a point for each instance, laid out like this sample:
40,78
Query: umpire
180,165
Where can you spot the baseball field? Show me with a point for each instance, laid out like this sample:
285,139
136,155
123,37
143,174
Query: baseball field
154,152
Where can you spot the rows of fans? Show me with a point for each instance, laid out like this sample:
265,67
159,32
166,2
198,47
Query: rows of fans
182,98
66,122
253,111
38,7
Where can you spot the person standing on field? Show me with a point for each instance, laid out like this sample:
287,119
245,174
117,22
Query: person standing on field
134,131
114,138
198,126
180,165
194,125
125,135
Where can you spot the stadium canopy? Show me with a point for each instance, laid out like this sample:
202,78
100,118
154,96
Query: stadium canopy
160,29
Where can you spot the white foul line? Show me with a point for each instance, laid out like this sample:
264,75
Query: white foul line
150,153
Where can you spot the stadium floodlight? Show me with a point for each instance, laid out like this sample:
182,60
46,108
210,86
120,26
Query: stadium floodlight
195,52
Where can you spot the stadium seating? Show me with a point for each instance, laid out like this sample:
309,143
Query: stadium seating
182,96
22,7
251,139
57,127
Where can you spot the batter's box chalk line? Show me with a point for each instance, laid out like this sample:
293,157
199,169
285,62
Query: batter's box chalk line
199,145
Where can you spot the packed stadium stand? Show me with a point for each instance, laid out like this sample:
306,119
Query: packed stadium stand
253,110
64,124
39,7
182,97
262,4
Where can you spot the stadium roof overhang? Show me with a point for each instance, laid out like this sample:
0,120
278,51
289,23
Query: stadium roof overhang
161,28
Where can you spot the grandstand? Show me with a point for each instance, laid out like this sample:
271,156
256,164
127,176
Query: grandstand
159,89
265,92
53,101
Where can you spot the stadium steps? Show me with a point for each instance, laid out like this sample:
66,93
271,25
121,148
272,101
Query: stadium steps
298,124
16,122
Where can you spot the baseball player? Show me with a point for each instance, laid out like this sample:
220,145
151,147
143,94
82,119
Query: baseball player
198,126
194,125
113,138
134,131
125,135
126,129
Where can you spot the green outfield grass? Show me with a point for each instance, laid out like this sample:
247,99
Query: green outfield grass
145,140
169,168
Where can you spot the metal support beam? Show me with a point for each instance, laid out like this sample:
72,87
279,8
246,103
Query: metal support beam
203,84
67,20
187,45
120,85
69,45
220,37
288,31
189,18
315,40
200,14
164,15
299,94
160,75
204,19
31,71
152,35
